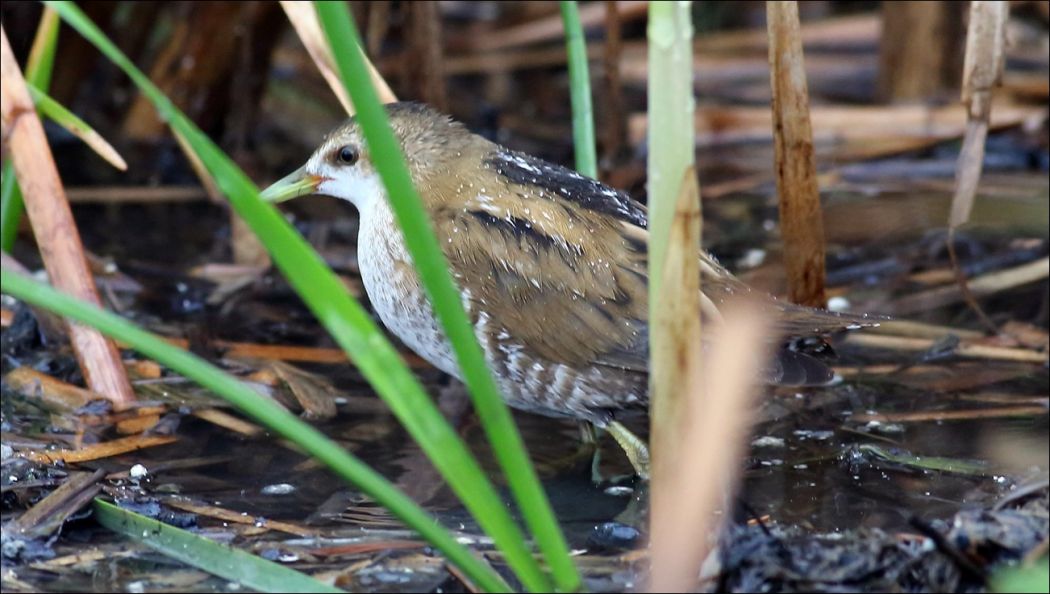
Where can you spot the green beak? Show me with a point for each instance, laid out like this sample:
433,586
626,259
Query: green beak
295,184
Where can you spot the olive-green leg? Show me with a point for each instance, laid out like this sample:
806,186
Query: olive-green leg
635,448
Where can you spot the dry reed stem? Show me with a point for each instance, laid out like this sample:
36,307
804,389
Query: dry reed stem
714,427
923,416
676,345
801,222
729,49
982,71
290,353
914,329
56,231
235,517
211,187
427,66
377,27
919,49
98,451
550,28
979,286
52,326
50,392
304,21
135,194
227,421
615,126
965,350
719,124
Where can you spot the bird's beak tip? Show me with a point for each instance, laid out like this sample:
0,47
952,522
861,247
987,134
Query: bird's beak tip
296,184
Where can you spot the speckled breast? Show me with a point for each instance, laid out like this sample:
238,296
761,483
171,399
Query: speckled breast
527,382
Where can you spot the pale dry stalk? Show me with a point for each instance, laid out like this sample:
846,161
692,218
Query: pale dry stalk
55,230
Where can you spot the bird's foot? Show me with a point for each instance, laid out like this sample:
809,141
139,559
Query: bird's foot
635,448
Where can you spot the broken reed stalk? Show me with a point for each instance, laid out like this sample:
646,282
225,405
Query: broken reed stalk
678,375
674,275
39,67
801,223
714,429
304,20
982,71
56,231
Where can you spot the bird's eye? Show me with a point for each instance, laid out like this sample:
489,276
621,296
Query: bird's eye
347,155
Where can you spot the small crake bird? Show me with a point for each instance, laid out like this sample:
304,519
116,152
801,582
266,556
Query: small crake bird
552,267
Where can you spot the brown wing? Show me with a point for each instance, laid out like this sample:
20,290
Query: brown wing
561,261
576,296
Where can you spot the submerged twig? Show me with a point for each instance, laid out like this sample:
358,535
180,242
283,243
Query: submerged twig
105,449
51,512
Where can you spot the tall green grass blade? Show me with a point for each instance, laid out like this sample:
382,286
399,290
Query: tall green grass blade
580,86
10,207
263,410
75,126
38,73
221,560
432,266
41,63
345,319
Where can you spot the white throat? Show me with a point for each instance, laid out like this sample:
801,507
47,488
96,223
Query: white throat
394,288
362,187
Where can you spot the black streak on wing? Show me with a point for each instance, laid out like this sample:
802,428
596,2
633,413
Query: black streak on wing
517,227
527,170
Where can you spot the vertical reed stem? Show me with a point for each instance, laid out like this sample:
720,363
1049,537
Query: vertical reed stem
801,221
674,275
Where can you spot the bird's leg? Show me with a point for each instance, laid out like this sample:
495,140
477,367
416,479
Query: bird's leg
588,432
635,448
590,436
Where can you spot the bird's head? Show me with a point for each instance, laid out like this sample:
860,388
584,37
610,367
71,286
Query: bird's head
343,166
